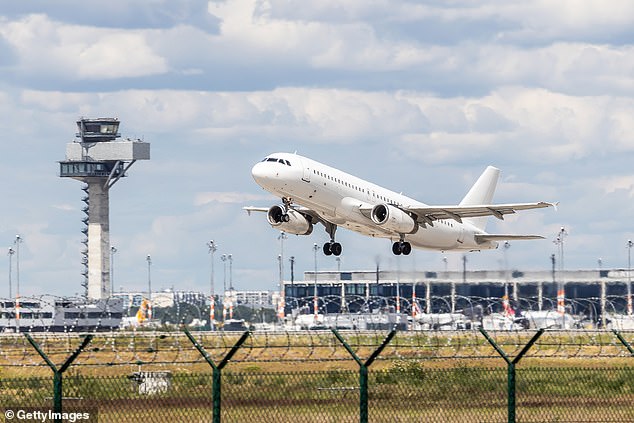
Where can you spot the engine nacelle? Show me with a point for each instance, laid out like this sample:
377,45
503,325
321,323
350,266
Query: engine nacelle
292,222
393,219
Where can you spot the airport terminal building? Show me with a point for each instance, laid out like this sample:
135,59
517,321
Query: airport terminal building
584,291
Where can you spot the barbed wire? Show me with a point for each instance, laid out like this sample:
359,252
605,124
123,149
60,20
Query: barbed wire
433,328
159,348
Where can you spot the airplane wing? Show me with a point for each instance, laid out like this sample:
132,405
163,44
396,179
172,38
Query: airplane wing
250,209
316,218
427,214
500,237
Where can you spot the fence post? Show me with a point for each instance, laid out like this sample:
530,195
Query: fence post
58,372
217,369
624,341
363,371
510,377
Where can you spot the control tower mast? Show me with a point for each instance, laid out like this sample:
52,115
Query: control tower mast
99,159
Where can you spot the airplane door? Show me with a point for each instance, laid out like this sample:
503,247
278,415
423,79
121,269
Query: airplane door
461,235
306,174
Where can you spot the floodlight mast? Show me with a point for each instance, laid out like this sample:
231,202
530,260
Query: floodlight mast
99,159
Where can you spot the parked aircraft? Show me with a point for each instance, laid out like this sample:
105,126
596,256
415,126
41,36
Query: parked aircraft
314,193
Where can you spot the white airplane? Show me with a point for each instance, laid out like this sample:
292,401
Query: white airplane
313,192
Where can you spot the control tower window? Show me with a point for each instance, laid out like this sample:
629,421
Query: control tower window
109,129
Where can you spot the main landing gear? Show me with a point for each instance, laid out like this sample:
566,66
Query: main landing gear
402,247
332,247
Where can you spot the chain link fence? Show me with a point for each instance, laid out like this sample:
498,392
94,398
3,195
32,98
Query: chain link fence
326,376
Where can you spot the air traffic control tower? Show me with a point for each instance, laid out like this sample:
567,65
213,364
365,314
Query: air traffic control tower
99,159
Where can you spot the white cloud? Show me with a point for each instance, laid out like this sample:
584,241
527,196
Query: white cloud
75,51
613,184
64,207
535,124
203,198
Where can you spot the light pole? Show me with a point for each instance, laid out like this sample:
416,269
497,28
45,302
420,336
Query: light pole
212,301
149,276
292,260
506,246
230,258
315,305
559,241
17,242
561,293
223,258
149,287
10,254
280,309
398,284
629,277
280,258
113,251
344,305
231,291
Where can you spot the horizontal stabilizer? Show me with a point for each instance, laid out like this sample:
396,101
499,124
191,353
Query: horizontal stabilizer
480,238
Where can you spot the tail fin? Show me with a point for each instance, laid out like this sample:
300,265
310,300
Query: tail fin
481,193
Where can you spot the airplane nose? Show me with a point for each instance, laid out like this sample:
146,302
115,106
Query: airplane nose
259,172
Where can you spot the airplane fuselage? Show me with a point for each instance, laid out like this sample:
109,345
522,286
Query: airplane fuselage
344,200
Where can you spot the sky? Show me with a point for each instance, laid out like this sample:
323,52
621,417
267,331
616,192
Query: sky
418,97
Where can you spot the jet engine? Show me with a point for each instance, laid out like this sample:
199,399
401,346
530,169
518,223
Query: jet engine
393,219
292,222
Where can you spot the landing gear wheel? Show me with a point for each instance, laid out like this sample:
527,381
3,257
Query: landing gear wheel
402,247
332,248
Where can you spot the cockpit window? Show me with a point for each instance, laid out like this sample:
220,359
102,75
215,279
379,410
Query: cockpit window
273,159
